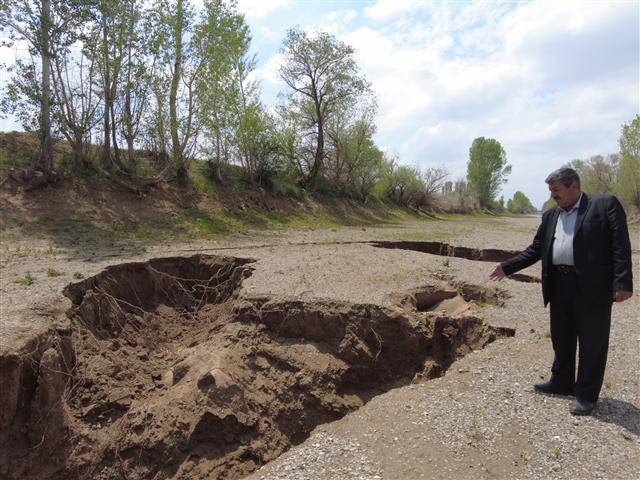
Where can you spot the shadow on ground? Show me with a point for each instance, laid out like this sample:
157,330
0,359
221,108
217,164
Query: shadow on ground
621,413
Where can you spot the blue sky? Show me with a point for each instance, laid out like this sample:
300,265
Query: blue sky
552,81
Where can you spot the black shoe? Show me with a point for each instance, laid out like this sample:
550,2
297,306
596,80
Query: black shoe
582,407
551,388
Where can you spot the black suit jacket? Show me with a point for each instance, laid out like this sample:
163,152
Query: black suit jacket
601,249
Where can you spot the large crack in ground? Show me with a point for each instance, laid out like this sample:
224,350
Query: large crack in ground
446,250
167,373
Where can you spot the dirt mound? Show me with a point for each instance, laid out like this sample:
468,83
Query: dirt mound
172,375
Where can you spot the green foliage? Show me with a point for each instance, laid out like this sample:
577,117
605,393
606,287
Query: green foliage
322,76
487,169
281,185
520,204
405,183
465,199
25,281
597,174
628,181
550,203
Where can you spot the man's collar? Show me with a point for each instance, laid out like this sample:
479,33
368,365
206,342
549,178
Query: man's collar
575,205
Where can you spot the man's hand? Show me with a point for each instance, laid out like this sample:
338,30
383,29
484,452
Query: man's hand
497,274
621,295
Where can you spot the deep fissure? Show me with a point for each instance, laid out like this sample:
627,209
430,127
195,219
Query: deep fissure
447,250
172,375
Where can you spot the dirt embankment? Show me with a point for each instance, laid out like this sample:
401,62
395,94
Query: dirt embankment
163,371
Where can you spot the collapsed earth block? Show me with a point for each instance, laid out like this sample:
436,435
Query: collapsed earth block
164,370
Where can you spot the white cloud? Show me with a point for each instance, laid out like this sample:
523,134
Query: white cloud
259,8
269,34
552,82
344,16
336,22
386,9
268,73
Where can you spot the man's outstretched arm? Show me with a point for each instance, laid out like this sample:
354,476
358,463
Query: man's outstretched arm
523,260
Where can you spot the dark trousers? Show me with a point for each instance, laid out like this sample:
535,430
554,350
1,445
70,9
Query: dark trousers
581,320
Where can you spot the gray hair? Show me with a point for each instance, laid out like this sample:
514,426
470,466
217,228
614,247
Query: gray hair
565,175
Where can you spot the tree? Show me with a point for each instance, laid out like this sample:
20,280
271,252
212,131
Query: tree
131,99
48,27
434,179
174,80
520,204
550,203
465,198
354,162
628,181
228,106
77,106
487,169
321,73
598,174
405,184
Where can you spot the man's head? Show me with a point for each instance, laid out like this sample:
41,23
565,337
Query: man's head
564,185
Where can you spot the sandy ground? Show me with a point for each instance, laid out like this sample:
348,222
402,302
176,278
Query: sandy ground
481,420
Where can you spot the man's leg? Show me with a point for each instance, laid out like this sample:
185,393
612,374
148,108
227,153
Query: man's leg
593,325
563,330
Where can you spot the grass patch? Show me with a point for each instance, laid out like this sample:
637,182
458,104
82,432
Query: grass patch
26,280
52,272
78,275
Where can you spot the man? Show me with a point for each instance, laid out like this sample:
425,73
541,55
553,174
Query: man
586,264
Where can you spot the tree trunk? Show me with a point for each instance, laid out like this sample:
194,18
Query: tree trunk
106,145
173,94
217,172
45,162
78,150
319,155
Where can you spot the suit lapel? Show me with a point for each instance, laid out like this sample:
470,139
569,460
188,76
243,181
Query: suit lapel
582,210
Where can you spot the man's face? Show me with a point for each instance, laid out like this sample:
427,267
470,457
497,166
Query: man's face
564,196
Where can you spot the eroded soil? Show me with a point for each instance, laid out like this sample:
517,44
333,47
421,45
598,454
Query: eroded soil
164,370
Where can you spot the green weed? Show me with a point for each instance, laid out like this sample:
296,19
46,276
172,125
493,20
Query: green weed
26,280
52,272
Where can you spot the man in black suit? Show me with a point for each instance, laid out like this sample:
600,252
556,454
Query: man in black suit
586,265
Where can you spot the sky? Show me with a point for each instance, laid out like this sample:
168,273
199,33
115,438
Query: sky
551,81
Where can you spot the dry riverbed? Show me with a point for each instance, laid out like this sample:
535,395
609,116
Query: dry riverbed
378,352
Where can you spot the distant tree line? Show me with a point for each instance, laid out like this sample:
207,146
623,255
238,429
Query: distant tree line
142,91
615,174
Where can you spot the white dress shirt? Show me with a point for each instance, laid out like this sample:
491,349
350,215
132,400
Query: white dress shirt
563,237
